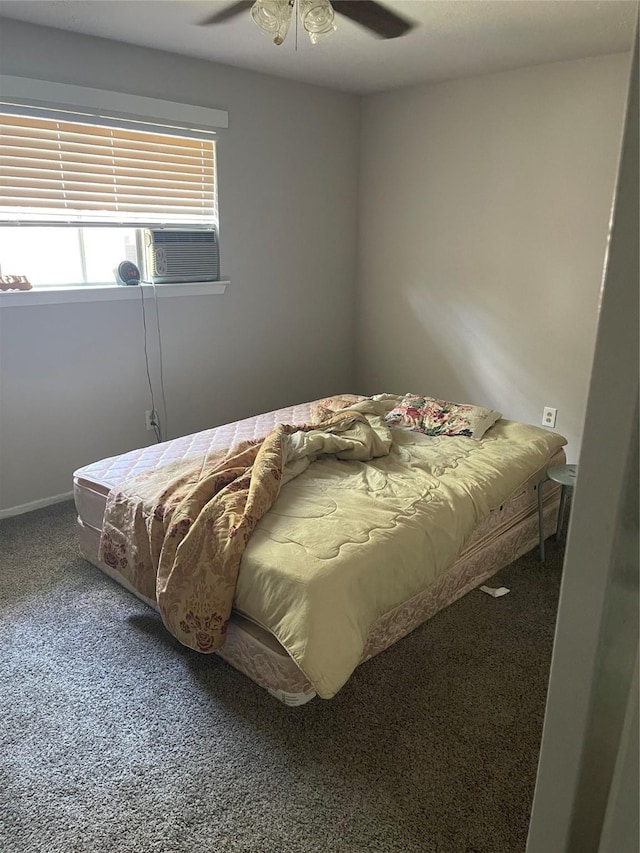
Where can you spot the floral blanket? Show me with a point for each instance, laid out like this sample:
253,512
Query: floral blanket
177,534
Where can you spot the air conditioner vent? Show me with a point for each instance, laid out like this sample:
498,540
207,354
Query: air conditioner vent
175,255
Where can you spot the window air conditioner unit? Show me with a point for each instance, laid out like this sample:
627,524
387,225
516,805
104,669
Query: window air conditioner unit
173,255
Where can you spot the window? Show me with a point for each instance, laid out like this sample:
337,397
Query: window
66,256
75,195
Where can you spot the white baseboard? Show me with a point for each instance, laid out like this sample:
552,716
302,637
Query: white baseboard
18,510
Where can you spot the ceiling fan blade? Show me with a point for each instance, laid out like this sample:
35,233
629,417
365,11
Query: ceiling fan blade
227,14
382,21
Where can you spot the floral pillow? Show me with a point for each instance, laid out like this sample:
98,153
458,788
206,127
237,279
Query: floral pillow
438,417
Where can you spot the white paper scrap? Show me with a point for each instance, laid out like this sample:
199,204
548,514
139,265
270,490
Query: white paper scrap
496,593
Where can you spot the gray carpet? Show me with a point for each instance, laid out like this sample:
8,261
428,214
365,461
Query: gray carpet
115,738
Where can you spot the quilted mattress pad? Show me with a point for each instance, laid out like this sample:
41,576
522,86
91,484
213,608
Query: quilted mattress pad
92,483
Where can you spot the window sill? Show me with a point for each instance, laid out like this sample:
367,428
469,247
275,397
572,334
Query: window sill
107,293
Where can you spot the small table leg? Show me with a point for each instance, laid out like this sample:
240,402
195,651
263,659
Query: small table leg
561,511
541,520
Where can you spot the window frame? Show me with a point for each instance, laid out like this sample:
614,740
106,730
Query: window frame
100,107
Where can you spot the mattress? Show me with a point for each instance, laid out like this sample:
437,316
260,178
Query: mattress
498,539
92,483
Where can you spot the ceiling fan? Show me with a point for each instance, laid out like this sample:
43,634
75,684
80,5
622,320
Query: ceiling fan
316,16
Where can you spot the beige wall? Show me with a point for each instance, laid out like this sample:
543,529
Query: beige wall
483,214
484,210
73,387
587,791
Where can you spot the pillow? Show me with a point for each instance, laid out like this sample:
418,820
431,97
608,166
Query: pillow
322,410
438,417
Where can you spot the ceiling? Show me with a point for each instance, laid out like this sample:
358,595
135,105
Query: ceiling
455,38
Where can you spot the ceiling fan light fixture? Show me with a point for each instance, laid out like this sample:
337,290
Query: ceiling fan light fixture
317,17
273,17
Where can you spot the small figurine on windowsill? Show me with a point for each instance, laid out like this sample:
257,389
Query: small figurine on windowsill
14,282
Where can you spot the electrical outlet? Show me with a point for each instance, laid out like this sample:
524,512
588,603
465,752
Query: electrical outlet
549,416
150,419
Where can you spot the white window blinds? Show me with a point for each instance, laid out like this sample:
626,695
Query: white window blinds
56,172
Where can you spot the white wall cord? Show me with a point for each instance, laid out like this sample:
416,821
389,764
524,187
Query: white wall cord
164,399
156,426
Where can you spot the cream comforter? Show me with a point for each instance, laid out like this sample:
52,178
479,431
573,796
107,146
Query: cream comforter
362,519
345,542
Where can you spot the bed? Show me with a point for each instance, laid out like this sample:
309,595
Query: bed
352,555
